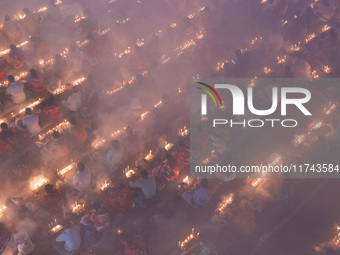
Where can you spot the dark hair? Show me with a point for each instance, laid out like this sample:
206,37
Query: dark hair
97,206
144,174
13,46
34,73
4,125
56,134
10,78
28,111
26,10
81,166
73,120
49,188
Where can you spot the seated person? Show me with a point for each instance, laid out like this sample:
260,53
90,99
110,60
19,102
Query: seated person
31,122
16,57
200,194
8,134
114,156
82,180
147,184
74,101
99,218
78,130
121,199
165,171
16,90
51,109
59,147
53,201
36,82
69,241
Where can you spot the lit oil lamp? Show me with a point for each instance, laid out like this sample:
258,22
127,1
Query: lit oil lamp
226,201
282,60
310,37
317,125
173,25
32,105
168,146
193,235
105,185
267,70
183,131
61,127
330,108
129,172
56,229
149,156
35,186
98,142
78,207
315,75
327,69
337,237
296,47
66,169
325,28
140,42
298,139
144,115
252,82
158,104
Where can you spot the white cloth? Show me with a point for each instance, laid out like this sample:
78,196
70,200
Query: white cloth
17,93
31,122
74,101
82,180
71,237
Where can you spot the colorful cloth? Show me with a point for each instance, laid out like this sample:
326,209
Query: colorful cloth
121,199
100,221
163,172
52,202
37,84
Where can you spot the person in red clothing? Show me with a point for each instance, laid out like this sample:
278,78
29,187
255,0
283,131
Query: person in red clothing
17,57
36,82
51,109
99,218
121,199
134,246
53,201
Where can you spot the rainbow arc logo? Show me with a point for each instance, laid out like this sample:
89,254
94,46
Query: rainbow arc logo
209,93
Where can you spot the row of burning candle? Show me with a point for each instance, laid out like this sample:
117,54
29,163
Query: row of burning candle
164,59
194,235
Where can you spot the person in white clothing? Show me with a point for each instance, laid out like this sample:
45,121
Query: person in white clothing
16,90
82,180
69,241
74,101
113,156
31,122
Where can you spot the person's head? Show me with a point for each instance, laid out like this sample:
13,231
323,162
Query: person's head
26,11
81,166
7,18
57,57
33,73
56,134
129,131
144,174
10,78
75,89
49,188
204,183
4,126
97,206
115,144
238,53
73,121
28,111
13,47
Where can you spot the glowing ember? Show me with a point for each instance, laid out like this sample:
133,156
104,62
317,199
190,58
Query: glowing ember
267,70
183,131
226,201
168,146
140,42
327,69
35,185
316,126
310,37
78,207
66,169
296,47
325,28
158,104
315,75
330,108
61,127
56,229
149,156
98,142
298,139
281,60
144,115
193,235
